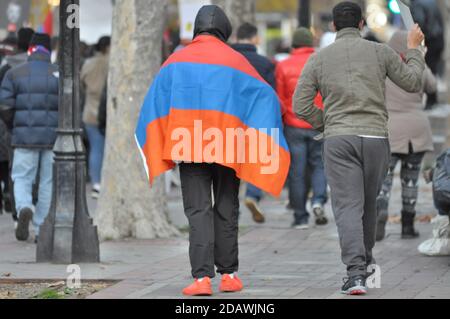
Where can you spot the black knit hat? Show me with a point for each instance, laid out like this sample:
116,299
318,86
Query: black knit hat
211,19
24,38
42,39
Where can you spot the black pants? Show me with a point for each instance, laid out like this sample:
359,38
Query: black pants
433,59
4,179
214,226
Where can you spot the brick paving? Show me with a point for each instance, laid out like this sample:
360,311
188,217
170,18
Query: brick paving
276,261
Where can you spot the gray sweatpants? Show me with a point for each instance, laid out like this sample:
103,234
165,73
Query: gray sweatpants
356,168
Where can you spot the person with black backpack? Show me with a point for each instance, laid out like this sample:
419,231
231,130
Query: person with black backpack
439,244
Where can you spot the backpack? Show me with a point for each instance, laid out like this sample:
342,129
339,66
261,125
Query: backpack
441,178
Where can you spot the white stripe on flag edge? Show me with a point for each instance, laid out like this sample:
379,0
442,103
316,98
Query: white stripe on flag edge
142,156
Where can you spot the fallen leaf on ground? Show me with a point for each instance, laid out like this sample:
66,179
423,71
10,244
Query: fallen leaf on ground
7,295
395,219
56,284
425,218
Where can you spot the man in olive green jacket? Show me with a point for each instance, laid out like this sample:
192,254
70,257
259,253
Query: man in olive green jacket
351,75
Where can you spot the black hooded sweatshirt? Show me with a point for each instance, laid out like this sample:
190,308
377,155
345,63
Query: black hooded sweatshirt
212,20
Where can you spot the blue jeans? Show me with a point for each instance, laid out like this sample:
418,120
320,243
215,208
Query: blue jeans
306,153
254,192
96,149
26,164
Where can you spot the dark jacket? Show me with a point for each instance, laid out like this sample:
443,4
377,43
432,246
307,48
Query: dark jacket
5,138
4,143
427,14
12,61
102,111
30,90
263,65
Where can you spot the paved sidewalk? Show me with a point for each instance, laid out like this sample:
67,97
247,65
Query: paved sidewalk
276,261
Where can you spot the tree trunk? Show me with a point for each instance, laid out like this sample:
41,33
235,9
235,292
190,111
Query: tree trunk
128,207
238,11
445,6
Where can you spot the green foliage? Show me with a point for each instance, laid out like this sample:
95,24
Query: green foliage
276,5
49,294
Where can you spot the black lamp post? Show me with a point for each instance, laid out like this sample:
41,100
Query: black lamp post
304,13
68,235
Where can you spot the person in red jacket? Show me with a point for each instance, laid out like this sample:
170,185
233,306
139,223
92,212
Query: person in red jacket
306,152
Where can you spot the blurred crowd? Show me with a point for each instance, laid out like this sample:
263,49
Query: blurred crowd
29,99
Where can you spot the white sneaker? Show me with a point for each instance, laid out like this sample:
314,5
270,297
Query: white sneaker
300,226
439,245
319,213
95,191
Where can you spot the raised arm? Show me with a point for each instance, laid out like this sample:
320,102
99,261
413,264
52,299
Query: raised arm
305,94
407,75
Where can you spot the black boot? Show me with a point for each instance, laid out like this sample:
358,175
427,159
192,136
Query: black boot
381,225
7,204
408,231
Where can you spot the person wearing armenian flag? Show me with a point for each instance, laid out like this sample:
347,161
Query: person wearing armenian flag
212,113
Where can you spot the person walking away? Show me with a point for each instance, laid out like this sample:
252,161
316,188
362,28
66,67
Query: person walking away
429,17
31,90
206,91
8,47
24,36
410,138
23,42
351,76
247,42
305,150
94,75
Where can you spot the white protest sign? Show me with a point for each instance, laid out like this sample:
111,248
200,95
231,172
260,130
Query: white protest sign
405,12
188,11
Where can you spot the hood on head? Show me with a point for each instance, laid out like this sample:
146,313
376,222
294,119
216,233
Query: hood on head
211,19
399,42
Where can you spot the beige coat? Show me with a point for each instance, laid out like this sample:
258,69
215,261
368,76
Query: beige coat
93,78
408,123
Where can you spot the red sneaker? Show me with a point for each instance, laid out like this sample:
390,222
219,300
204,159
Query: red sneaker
231,284
199,288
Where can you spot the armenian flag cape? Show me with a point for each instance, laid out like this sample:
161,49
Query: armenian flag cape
209,105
